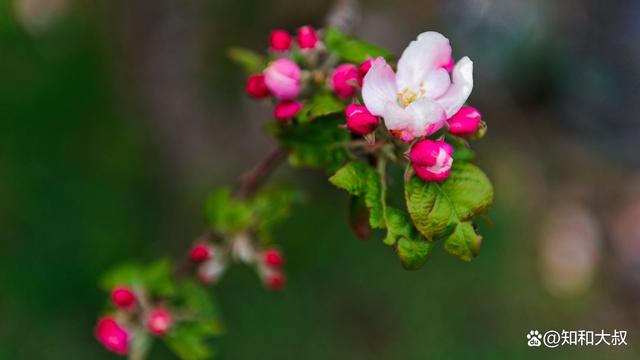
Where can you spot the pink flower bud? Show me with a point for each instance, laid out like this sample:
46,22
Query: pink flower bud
359,120
256,87
307,37
286,109
344,80
159,322
273,258
113,336
465,122
282,78
200,252
123,297
431,160
363,69
275,280
280,40
449,64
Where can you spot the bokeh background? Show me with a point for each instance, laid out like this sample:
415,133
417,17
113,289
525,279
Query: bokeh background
118,117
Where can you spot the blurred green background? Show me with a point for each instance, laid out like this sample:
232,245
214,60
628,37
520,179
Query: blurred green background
118,117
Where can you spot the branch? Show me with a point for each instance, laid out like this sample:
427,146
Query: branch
254,178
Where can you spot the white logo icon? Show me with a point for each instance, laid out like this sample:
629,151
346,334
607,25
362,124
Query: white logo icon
533,338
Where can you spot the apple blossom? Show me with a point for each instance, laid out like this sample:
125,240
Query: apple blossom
123,297
113,336
256,87
344,80
287,109
359,120
159,322
211,270
280,40
416,100
465,122
307,37
282,78
431,160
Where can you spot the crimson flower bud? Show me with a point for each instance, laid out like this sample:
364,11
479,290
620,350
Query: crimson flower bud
465,122
280,40
159,322
256,87
287,109
275,280
113,336
273,258
123,297
363,69
359,120
431,160
200,252
307,37
344,80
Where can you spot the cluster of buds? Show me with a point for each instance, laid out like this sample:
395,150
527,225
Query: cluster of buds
419,101
282,79
212,261
285,80
115,331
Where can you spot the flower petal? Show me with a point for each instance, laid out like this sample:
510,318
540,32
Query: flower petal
379,87
395,117
429,52
427,117
436,83
459,92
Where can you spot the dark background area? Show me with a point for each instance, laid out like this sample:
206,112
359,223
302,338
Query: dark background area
118,117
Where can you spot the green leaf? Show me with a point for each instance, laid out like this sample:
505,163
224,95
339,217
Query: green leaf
158,277
350,49
199,304
155,278
463,243
321,143
226,214
250,61
412,248
323,103
360,179
398,226
271,206
188,340
413,253
437,208
127,274
443,210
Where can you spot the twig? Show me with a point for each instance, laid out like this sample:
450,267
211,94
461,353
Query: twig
253,178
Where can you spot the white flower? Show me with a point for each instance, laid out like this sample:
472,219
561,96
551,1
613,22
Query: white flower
418,99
